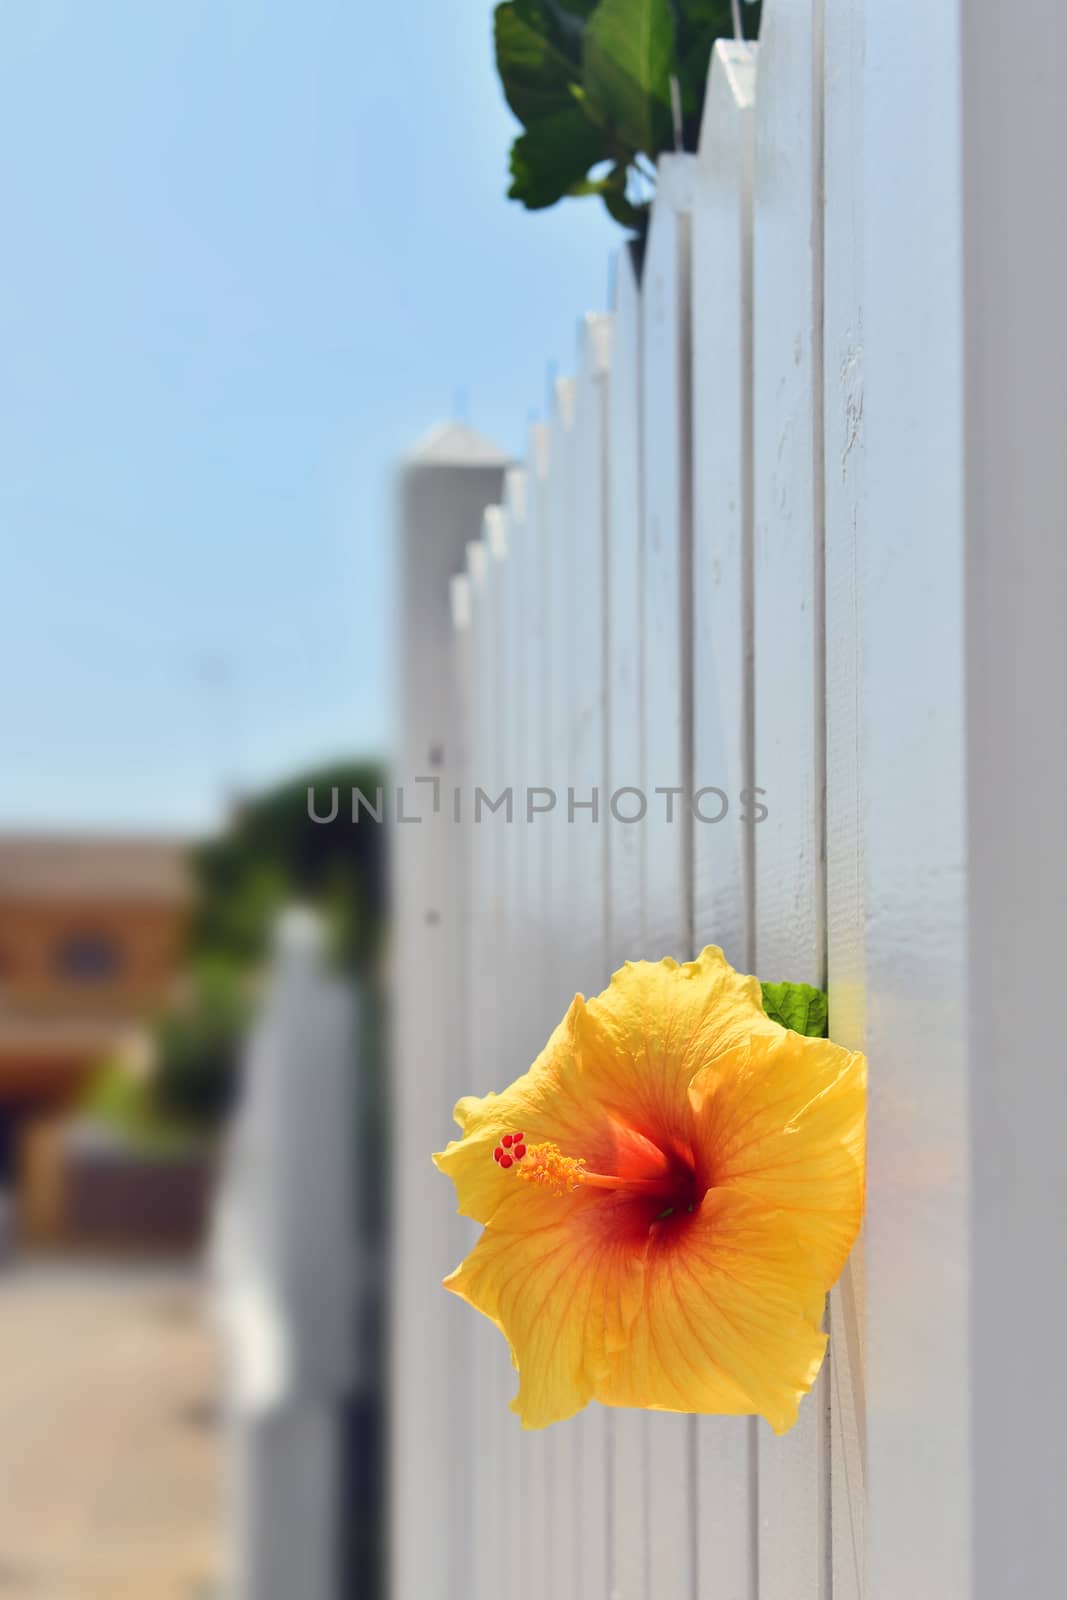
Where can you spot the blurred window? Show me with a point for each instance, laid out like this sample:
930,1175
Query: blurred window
89,958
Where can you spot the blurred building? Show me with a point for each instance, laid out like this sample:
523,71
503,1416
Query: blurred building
92,933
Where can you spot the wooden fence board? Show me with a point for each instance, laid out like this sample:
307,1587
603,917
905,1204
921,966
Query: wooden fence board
528,846
667,735
918,978
502,532
789,664
628,1504
441,508
586,836
561,1441
493,1378
722,677
845,921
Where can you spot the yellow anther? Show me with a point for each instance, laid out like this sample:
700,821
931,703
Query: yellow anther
545,1165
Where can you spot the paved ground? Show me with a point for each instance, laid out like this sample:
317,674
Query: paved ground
110,1478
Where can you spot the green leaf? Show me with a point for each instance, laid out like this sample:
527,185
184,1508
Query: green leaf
797,1006
537,76
570,17
552,157
627,62
717,14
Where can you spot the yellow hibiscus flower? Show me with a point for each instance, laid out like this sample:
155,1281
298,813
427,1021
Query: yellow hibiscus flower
667,1195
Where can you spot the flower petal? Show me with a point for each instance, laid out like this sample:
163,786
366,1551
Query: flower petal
655,1027
782,1120
556,1102
545,1102
728,1321
561,1277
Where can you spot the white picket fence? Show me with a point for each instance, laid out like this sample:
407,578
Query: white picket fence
797,524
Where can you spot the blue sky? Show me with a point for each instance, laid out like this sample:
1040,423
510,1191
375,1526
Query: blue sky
252,249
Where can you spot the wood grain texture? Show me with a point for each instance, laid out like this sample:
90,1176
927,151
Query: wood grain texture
628,1502
845,918
501,535
492,1377
794,1510
722,676
529,992
666,567
918,980
586,836
440,511
562,1444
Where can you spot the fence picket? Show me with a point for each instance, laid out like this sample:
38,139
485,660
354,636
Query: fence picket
561,1444
843,411
586,837
722,676
789,667
460,1370
628,1503
497,776
443,495
918,949
530,995
493,1377
667,924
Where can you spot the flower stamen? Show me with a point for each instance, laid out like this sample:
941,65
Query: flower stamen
546,1166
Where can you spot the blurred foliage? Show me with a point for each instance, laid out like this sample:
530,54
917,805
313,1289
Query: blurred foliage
273,853
125,1102
270,855
198,1047
591,83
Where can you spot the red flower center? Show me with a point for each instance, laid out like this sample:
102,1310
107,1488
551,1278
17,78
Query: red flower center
661,1185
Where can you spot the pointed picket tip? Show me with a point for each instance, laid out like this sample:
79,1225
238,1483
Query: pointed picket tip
675,195
494,532
459,594
539,450
515,495
675,180
477,559
595,351
731,91
563,392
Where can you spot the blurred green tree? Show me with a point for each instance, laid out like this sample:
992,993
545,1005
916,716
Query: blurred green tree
270,854
273,853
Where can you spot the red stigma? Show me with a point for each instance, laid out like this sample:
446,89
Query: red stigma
511,1148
